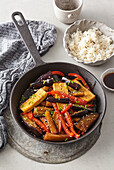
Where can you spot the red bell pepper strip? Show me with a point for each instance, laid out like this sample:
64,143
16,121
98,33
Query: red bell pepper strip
72,98
79,77
90,105
58,73
70,123
30,115
67,108
62,121
39,123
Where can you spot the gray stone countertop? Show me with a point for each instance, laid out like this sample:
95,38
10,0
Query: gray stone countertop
101,155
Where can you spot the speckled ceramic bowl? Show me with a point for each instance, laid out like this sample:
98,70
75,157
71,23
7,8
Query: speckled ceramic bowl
108,71
84,25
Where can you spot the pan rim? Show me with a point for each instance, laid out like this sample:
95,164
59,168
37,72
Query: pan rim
99,121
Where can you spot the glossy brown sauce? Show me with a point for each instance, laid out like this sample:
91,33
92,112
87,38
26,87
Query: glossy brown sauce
109,80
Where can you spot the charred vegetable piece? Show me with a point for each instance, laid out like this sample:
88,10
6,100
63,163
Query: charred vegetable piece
43,103
34,100
58,73
39,111
80,113
58,100
86,122
44,76
56,137
57,121
38,85
80,107
56,78
48,104
71,83
80,78
31,125
77,107
51,124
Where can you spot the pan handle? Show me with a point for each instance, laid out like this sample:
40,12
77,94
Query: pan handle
26,36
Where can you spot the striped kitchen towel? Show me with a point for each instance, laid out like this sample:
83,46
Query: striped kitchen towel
16,60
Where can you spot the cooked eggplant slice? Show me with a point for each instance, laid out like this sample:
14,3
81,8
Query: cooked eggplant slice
31,125
59,100
77,108
44,76
39,111
71,83
87,121
80,113
42,83
56,78
49,104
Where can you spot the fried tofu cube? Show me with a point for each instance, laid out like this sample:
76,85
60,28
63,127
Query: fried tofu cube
88,95
34,100
61,87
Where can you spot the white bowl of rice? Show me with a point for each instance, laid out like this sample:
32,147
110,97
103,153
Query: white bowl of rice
89,42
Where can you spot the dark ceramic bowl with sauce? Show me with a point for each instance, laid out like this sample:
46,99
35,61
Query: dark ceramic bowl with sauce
107,79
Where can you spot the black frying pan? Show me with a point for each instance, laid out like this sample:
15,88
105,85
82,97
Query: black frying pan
41,68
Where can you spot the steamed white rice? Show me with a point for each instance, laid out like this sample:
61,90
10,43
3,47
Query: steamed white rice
91,45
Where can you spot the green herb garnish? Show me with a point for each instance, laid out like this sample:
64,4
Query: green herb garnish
33,95
44,82
43,114
85,106
66,139
77,101
69,82
60,108
25,118
52,112
23,97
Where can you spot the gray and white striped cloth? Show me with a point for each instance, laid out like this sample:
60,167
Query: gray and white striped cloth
16,60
